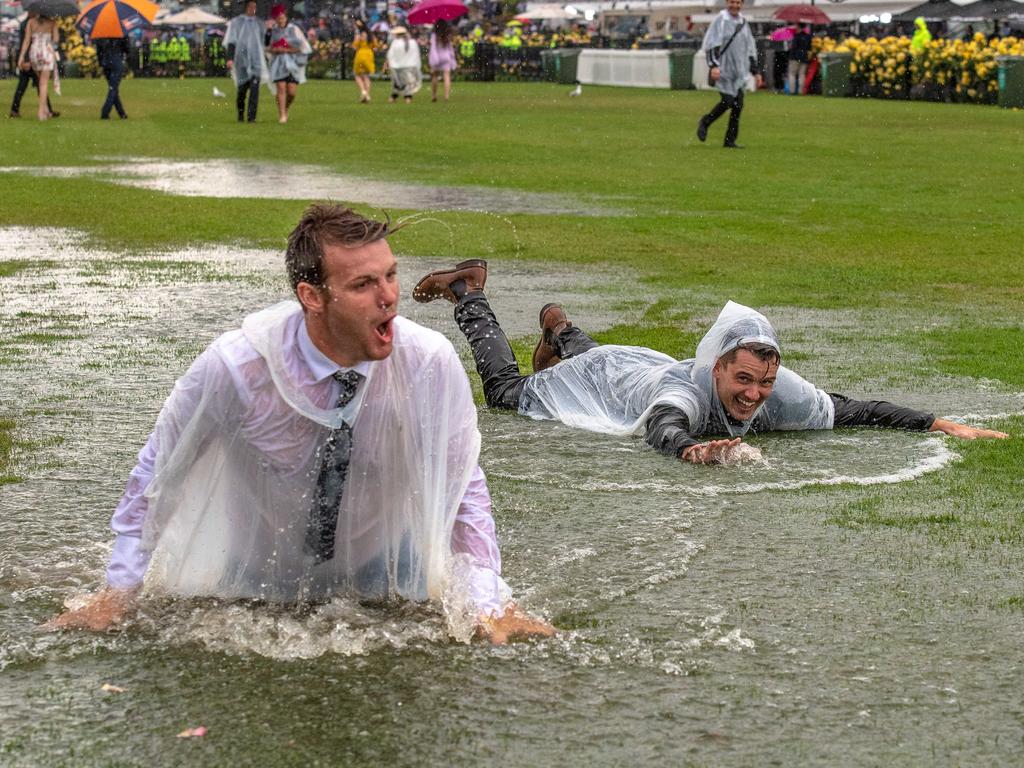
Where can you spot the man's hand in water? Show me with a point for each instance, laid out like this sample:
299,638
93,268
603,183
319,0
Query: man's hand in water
711,452
965,431
513,625
106,609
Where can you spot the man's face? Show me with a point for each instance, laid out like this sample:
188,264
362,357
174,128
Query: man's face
250,8
744,384
734,7
359,302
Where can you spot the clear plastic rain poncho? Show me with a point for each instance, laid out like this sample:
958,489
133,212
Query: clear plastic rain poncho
612,389
229,505
735,65
246,33
284,65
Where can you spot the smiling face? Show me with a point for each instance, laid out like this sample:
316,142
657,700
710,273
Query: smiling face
734,7
282,19
744,383
350,318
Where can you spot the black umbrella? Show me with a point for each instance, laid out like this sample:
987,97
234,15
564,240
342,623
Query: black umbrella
52,8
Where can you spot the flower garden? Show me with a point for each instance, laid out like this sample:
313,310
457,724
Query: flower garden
963,71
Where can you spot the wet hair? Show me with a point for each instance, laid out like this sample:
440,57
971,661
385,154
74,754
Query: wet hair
764,352
442,31
324,224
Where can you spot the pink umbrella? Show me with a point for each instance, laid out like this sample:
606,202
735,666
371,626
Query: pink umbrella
809,14
782,35
430,11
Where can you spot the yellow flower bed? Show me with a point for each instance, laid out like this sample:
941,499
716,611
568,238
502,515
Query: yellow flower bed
949,70
73,48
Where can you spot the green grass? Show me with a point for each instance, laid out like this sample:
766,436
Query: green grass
975,502
6,444
980,352
835,203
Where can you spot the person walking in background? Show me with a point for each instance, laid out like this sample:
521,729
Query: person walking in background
799,56
441,58
289,51
26,74
732,55
363,64
248,67
404,63
38,50
111,53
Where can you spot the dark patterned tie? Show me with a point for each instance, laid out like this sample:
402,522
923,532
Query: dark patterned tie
330,483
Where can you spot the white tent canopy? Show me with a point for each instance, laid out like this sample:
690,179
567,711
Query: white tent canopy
850,10
189,17
546,11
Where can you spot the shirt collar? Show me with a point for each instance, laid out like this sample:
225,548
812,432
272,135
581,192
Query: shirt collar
321,366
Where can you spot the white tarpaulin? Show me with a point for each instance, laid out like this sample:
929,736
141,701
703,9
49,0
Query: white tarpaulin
639,69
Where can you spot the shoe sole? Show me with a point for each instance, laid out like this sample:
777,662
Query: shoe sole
422,297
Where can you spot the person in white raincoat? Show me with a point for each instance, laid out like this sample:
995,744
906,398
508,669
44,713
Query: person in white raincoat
248,65
405,65
732,56
733,386
289,51
328,446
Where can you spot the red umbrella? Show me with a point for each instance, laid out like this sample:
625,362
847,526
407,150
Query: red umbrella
430,11
808,14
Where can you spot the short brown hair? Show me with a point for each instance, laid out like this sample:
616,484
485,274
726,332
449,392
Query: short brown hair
324,224
763,352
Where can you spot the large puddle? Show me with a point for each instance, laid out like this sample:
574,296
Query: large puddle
711,614
221,177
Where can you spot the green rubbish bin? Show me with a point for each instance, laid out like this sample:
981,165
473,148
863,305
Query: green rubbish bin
835,73
1011,81
680,69
71,69
549,64
565,67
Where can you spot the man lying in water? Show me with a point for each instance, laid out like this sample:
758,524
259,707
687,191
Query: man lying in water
735,384
328,446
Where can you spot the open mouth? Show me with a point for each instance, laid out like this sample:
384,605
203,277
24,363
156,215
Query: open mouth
385,331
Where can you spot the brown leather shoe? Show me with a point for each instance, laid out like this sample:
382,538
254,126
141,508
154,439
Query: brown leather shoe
437,284
552,322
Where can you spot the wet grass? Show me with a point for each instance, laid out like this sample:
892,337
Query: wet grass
6,446
979,352
155,271
974,503
12,267
850,208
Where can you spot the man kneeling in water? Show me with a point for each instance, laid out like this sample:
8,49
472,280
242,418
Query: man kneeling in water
735,384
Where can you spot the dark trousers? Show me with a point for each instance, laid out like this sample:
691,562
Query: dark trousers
497,366
252,87
725,104
114,73
24,78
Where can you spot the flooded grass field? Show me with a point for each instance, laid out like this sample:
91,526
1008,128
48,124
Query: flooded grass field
853,599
